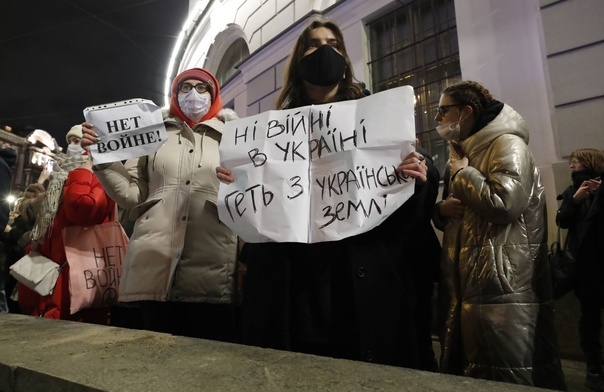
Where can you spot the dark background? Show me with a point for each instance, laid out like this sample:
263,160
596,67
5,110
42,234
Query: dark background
58,57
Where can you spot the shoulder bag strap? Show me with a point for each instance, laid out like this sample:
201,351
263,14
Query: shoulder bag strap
565,240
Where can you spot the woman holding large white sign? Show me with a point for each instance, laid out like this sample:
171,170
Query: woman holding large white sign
180,261
349,298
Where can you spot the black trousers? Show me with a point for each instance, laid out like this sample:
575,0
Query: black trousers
192,319
590,325
342,299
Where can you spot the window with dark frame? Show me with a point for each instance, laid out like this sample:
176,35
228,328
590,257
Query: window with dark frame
236,53
417,45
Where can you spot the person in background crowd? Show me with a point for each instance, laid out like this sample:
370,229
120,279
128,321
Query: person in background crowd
74,137
577,213
181,259
350,298
500,321
18,236
74,198
8,157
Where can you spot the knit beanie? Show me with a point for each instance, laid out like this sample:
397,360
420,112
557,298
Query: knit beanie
204,76
76,130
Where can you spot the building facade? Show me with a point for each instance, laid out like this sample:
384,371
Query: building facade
542,57
34,153
539,56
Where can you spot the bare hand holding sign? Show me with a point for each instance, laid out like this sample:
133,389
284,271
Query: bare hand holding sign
127,129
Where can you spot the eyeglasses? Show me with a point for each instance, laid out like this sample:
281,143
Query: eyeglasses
199,87
574,162
441,110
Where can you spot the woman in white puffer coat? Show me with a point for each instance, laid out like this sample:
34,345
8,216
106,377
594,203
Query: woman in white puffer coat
181,259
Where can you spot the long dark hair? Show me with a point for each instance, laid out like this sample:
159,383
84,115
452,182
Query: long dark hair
292,92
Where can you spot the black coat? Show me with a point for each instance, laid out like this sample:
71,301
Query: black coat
17,239
585,224
354,298
8,157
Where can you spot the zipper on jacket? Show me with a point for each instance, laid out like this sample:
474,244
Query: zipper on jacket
203,135
154,159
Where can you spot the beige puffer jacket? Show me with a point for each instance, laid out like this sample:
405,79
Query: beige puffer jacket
500,319
179,250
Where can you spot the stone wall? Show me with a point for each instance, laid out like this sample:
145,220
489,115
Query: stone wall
51,355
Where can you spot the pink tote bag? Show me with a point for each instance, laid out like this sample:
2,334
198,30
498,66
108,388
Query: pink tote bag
95,255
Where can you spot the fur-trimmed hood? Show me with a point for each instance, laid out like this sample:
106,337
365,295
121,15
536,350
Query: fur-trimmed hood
227,115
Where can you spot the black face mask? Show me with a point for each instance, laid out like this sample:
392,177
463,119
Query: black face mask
579,176
323,67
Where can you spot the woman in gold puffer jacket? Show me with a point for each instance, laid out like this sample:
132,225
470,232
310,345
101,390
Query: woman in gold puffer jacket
500,318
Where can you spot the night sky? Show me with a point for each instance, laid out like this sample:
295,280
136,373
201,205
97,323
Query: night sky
58,57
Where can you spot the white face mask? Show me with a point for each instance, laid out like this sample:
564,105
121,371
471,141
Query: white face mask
74,149
449,133
194,105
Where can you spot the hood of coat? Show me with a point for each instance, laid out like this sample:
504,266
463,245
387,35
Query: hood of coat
508,122
227,115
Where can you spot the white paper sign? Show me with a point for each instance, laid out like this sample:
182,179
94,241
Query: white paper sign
318,173
127,129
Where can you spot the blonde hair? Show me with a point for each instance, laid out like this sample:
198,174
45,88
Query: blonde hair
591,158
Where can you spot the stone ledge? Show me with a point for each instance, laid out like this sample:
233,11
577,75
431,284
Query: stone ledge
51,355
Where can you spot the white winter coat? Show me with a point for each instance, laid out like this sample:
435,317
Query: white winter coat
179,250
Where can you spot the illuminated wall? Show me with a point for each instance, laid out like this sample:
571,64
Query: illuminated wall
540,56
33,154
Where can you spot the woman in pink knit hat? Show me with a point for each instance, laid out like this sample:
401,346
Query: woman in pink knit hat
181,259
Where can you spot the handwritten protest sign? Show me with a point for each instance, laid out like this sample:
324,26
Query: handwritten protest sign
127,129
318,173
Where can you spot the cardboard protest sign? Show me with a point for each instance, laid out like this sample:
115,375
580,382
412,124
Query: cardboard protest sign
127,129
320,172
